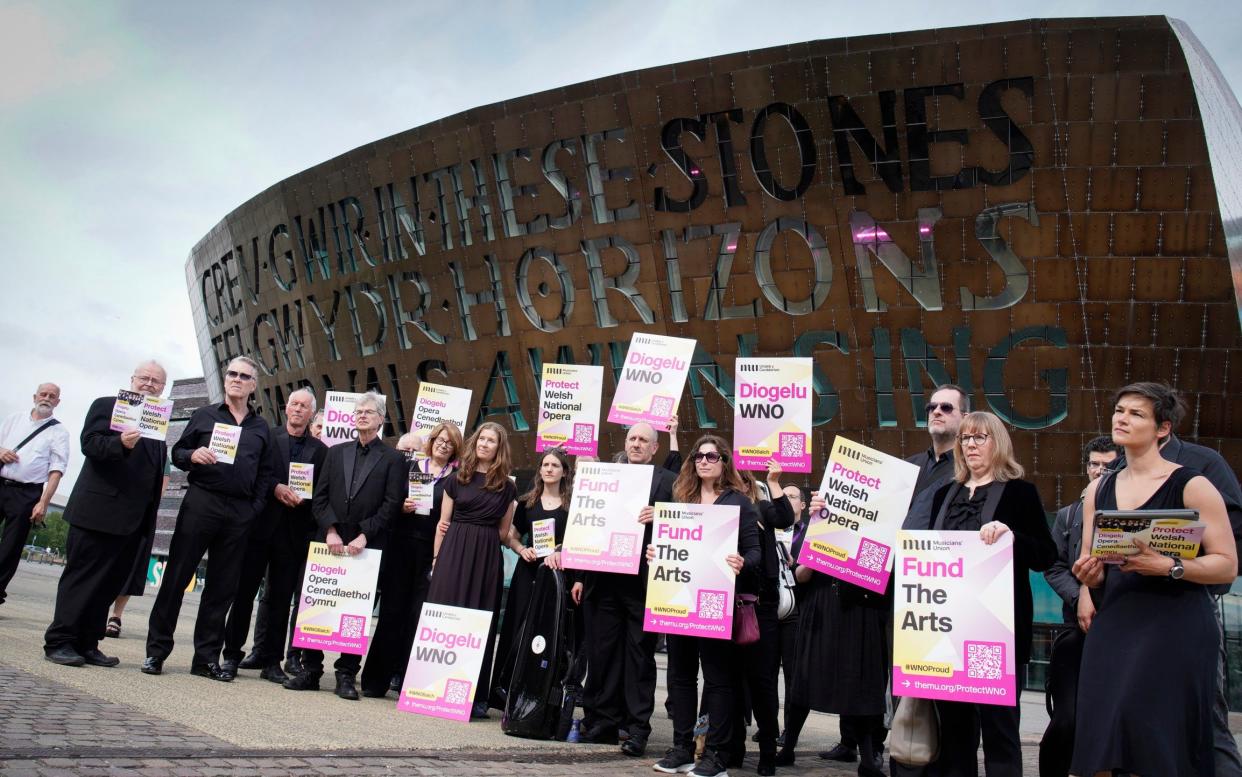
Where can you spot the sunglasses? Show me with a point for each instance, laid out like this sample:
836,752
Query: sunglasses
235,375
711,457
945,407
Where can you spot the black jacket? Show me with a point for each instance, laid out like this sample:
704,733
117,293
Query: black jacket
749,545
1067,534
365,501
635,585
313,452
1019,508
118,490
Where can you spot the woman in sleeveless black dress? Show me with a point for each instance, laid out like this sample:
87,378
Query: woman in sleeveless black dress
477,511
1148,676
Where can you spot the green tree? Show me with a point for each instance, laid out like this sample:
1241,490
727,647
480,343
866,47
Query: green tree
53,533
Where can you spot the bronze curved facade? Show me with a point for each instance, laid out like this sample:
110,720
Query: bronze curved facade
1039,211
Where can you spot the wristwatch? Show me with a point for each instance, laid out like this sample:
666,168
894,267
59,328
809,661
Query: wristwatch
1177,570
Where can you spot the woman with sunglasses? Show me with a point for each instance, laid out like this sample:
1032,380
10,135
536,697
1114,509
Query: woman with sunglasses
407,562
547,500
708,477
476,512
988,496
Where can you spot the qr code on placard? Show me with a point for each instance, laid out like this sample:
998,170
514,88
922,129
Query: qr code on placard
661,407
623,545
793,444
457,692
872,555
985,660
712,605
584,432
353,626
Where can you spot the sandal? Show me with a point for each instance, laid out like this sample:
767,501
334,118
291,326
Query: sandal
114,627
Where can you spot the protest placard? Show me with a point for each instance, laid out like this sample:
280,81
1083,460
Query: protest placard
336,600
651,382
224,441
445,661
1173,533
603,533
772,414
569,397
302,479
436,403
689,584
148,415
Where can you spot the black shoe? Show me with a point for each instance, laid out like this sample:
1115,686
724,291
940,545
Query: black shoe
710,765
676,760
153,665
345,687
871,771
273,673
634,747
478,711
599,736
96,658
293,665
395,683
64,655
754,737
767,765
785,756
841,753
212,670
737,755
780,741
230,666
306,681
252,661
374,693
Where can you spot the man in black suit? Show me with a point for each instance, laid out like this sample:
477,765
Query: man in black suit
221,502
111,510
362,489
620,689
277,546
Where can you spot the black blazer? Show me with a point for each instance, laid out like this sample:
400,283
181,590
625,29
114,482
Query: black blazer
748,543
364,503
1067,534
1019,508
274,512
118,490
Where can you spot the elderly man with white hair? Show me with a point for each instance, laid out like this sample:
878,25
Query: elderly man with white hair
359,494
110,513
277,547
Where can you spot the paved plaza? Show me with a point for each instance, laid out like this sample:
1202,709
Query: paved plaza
89,721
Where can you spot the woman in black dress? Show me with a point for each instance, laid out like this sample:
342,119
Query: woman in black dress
1148,677
475,517
403,576
547,500
988,496
707,477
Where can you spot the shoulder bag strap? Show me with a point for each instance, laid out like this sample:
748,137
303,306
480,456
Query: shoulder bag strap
36,433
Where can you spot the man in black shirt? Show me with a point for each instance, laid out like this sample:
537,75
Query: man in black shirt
221,502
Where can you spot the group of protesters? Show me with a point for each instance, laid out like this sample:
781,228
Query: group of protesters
1151,641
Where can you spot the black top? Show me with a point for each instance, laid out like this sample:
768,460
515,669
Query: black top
474,504
748,545
965,512
934,472
1019,508
417,524
775,514
525,516
285,449
250,475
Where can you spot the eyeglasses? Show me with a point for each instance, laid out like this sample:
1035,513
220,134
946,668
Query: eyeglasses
235,375
945,407
365,412
1097,465
977,439
711,457
147,380
442,442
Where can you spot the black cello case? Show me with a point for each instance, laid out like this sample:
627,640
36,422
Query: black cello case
546,682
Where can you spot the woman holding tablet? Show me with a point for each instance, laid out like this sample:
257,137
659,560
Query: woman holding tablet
1148,674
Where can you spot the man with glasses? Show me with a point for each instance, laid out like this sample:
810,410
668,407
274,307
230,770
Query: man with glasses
34,452
620,688
221,501
110,513
358,496
277,546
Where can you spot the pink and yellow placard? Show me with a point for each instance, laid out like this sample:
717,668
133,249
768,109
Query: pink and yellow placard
436,403
650,387
445,661
569,397
866,496
689,585
603,533
336,601
953,618
772,414
146,414
338,417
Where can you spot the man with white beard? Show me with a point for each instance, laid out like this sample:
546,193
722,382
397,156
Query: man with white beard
34,452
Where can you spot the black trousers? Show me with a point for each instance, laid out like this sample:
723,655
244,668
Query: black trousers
16,502
273,628
253,567
621,680
207,523
97,565
788,633
346,663
403,584
716,657
961,724
754,672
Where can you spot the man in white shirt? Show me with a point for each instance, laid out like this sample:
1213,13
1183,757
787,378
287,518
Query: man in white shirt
34,452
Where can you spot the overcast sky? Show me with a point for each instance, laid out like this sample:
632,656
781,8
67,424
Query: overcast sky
128,130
